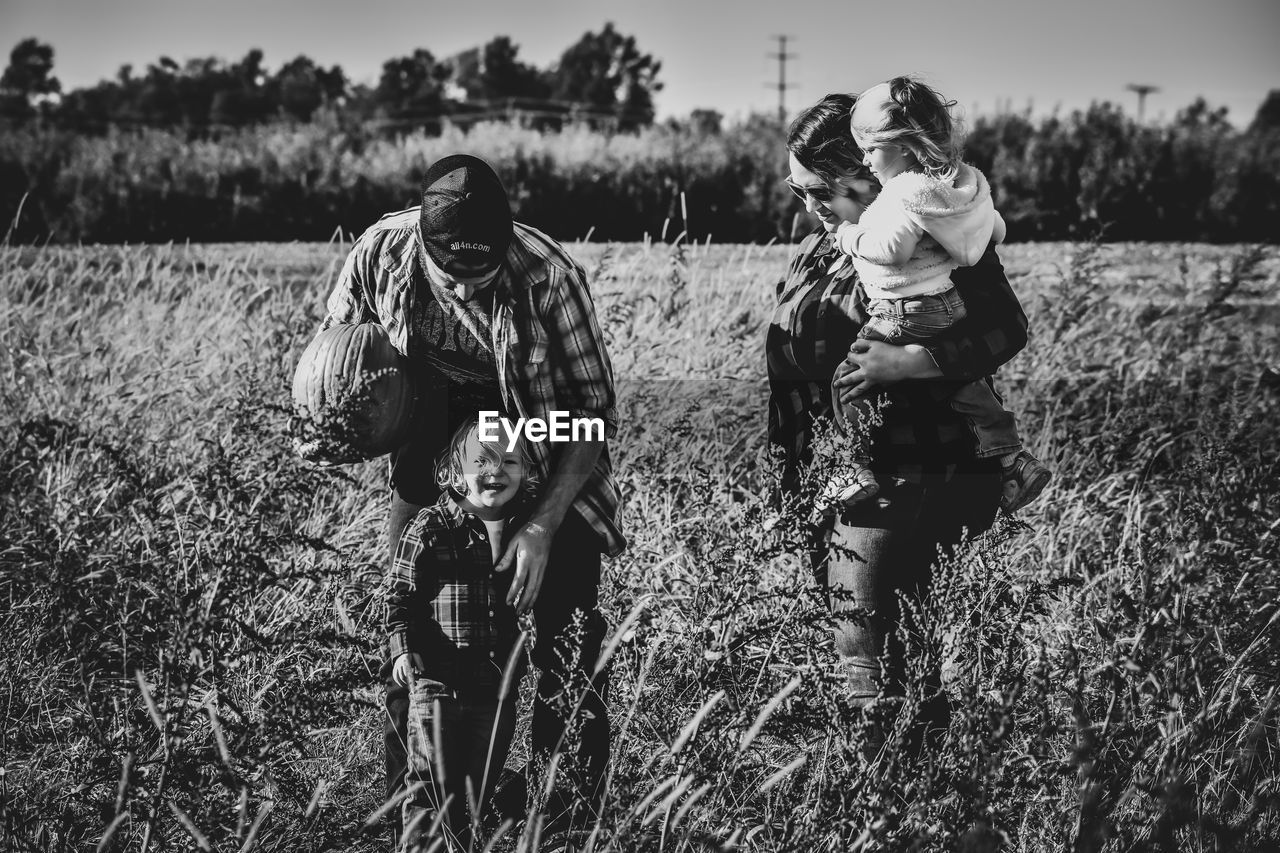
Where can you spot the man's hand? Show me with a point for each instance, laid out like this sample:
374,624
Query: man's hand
873,364
404,668
530,548
528,551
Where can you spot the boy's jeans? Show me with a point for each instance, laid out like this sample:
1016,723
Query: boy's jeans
473,732
916,320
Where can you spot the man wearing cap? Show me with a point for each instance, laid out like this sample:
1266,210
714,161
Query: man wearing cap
496,316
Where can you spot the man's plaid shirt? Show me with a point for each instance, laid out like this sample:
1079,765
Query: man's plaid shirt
821,308
546,340
445,602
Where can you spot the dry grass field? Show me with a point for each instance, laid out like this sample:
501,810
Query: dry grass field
190,616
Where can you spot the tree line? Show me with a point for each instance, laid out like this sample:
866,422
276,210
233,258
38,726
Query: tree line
236,160
603,78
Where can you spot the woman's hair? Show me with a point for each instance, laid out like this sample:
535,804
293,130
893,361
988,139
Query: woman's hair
819,137
919,119
449,465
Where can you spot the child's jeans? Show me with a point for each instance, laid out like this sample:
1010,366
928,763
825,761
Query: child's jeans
473,731
918,319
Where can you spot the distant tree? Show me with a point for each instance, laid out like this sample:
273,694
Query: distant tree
156,99
30,70
103,103
207,91
239,92
301,87
28,78
412,85
706,122
1267,119
608,73
1199,115
494,72
201,91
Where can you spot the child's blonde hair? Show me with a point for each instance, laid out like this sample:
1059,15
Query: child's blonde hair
919,119
449,465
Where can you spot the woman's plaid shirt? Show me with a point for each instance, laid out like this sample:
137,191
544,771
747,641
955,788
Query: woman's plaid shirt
546,339
444,600
821,308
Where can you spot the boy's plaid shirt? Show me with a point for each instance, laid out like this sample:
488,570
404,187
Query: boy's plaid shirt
822,306
546,339
445,602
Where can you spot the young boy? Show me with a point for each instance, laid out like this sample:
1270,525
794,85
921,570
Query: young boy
451,633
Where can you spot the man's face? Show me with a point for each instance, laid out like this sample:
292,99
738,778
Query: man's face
465,287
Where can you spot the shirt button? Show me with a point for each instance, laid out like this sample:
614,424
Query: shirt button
491,613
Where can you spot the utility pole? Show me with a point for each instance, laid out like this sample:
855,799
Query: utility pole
1143,89
782,85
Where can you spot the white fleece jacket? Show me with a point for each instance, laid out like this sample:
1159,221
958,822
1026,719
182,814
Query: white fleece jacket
918,230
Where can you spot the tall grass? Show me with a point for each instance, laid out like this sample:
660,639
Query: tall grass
191,620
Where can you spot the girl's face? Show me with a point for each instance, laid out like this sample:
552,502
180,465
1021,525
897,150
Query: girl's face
885,159
490,485
843,202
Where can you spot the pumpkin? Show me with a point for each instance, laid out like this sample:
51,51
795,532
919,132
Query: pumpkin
353,395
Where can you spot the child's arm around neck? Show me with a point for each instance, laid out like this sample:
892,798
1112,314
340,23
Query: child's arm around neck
886,234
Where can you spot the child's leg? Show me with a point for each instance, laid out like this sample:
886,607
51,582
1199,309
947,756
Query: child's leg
905,321
491,726
993,426
1024,476
916,319
996,431
436,765
852,479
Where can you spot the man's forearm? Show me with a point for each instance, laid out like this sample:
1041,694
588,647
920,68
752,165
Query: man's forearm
573,468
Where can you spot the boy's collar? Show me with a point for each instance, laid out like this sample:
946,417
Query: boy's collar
457,505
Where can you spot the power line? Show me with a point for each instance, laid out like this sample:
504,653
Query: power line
782,85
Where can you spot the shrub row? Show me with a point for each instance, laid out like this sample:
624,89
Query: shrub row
1093,172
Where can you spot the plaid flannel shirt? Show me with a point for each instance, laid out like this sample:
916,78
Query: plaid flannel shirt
820,312
546,339
445,602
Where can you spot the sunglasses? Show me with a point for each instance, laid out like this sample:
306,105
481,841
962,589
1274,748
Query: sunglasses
820,193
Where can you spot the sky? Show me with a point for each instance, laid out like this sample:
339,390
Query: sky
987,55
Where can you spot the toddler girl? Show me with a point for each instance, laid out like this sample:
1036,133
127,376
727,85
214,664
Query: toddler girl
934,213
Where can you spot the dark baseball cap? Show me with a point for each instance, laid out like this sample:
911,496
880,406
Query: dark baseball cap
465,217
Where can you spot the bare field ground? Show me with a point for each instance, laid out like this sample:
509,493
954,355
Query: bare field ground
190,630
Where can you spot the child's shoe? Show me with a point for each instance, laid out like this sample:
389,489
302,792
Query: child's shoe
1024,479
847,489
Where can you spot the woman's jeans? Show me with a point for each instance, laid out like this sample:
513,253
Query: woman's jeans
881,549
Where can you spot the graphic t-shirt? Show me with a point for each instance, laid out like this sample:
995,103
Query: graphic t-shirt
456,340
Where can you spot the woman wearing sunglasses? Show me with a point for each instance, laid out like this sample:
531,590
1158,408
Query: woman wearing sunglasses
934,489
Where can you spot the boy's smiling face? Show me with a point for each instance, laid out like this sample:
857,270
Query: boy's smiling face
490,484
